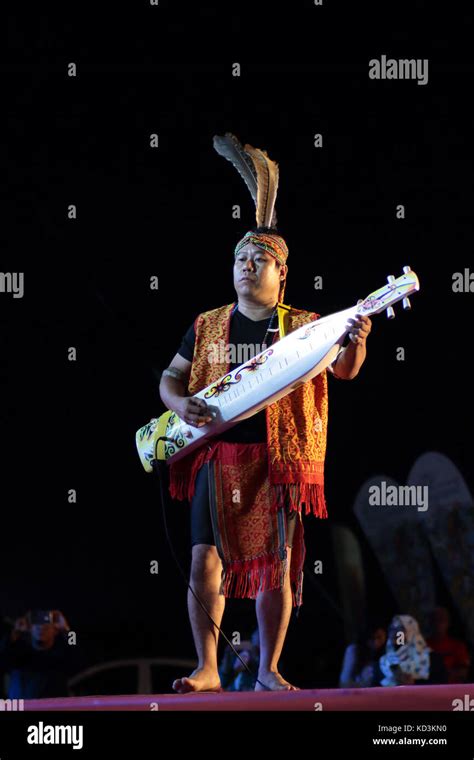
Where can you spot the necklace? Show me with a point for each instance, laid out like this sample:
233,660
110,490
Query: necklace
270,329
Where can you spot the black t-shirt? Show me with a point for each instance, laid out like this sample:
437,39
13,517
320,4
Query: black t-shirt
243,332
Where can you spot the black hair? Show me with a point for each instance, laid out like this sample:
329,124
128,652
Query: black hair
267,230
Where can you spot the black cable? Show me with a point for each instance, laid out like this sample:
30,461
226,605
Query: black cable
157,466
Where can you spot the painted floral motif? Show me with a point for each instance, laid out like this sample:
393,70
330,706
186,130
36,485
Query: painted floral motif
221,387
256,362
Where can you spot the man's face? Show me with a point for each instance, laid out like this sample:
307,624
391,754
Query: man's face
43,634
257,274
440,621
378,640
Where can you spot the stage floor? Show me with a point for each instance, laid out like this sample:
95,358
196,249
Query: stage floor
400,698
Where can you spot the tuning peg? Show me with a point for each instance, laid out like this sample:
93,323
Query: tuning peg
406,303
406,270
390,312
390,279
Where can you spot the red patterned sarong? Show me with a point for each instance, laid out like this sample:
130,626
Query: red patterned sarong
251,537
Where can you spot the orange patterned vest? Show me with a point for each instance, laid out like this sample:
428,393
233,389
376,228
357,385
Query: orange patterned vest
296,424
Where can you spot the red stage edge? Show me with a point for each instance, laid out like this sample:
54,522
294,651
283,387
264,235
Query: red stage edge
446,698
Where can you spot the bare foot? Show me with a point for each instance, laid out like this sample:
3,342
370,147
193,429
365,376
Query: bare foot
273,682
199,680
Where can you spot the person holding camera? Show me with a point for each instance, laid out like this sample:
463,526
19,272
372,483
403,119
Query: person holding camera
408,660
36,655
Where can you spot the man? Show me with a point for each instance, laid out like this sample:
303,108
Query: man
37,656
237,462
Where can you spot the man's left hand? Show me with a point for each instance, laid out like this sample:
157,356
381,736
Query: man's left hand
360,329
59,621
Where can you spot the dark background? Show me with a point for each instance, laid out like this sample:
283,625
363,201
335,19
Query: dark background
167,212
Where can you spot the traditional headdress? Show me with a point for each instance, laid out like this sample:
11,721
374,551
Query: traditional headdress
261,176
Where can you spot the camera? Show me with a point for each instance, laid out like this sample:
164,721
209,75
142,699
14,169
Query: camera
41,617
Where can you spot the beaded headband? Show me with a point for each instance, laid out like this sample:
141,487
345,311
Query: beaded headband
272,243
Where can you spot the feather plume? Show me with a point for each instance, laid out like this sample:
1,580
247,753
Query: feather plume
267,186
260,174
229,147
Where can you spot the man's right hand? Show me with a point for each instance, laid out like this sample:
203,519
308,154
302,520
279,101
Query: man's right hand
194,411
